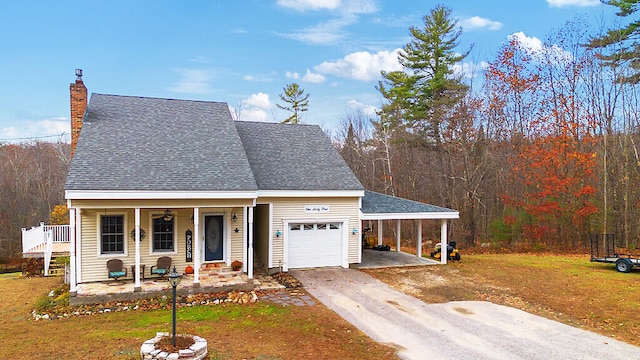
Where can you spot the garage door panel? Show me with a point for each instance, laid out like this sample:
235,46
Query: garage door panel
315,245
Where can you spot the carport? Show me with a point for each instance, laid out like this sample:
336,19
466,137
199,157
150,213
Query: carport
381,207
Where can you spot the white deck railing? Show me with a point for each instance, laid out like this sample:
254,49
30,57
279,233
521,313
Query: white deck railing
41,239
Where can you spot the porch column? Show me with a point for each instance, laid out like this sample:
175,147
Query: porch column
245,239
379,232
398,235
137,286
419,244
250,249
72,252
196,247
78,234
443,242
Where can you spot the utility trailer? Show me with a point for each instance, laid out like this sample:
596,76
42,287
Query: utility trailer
603,249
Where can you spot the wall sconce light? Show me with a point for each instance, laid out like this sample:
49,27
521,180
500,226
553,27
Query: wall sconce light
167,215
354,231
234,217
278,233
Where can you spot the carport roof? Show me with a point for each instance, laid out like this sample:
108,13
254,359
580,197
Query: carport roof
376,206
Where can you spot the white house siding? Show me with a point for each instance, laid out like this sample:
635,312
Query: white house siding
94,266
292,209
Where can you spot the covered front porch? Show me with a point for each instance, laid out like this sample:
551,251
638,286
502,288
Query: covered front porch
212,233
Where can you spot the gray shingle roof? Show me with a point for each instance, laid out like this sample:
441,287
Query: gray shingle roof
150,144
376,203
294,157
136,143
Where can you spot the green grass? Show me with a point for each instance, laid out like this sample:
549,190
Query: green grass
14,275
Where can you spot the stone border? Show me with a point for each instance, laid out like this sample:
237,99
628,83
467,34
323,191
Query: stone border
197,351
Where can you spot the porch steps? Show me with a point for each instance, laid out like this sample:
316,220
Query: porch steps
56,268
218,270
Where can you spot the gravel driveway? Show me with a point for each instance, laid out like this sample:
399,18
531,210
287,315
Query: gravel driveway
454,330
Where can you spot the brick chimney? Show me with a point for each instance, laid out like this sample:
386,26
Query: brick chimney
78,107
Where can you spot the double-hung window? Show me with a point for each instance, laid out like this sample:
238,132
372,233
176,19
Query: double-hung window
163,239
112,234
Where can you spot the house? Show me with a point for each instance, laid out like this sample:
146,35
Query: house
154,177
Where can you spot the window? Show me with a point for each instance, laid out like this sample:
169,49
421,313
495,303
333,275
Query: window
162,235
112,234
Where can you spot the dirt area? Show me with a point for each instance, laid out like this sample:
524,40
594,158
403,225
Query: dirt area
568,288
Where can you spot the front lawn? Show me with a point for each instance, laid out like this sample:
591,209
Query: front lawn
258,331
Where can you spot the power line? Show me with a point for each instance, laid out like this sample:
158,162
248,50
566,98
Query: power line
34,137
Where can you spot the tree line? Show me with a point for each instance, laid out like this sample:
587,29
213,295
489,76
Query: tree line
32,177
542,154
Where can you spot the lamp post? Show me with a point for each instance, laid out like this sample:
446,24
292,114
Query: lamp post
174,279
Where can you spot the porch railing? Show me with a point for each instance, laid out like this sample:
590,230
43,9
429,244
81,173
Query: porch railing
41,240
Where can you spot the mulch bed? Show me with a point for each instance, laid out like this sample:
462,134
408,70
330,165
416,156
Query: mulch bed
287,280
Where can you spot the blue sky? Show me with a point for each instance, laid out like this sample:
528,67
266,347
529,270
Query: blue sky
242,52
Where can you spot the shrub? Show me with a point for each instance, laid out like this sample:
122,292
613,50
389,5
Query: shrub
33,267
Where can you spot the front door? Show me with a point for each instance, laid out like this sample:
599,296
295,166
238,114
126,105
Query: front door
213,240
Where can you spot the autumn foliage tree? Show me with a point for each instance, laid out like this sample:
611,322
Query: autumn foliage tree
555,162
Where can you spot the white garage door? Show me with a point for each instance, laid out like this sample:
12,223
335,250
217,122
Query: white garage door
314,244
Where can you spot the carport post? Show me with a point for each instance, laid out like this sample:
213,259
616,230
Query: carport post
419,244
443,242
379,232
398,235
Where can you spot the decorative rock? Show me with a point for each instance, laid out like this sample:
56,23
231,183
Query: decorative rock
197,351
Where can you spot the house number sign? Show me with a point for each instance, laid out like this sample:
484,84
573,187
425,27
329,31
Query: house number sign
189,250
316,208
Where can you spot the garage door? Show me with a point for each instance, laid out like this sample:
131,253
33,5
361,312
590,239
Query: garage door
315,245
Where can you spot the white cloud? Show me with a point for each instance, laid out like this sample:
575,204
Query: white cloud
477,22
292,75
345,7
193,81
47,129
368,110
561,3
325,33
362,65
254,108
313,78
200,60
304,5
533,44
469,70
258,78
538,50
332,30
253,114
259,100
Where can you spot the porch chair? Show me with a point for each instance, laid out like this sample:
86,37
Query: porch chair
162,266
116,269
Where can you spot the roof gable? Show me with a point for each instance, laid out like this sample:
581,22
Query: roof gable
136,143
294,157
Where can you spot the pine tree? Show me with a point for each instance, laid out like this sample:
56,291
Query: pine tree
296,102
422,95
627,49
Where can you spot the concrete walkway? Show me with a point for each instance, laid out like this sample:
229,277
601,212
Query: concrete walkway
455,330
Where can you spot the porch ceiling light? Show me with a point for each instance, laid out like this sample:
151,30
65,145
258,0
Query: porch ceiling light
167,215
